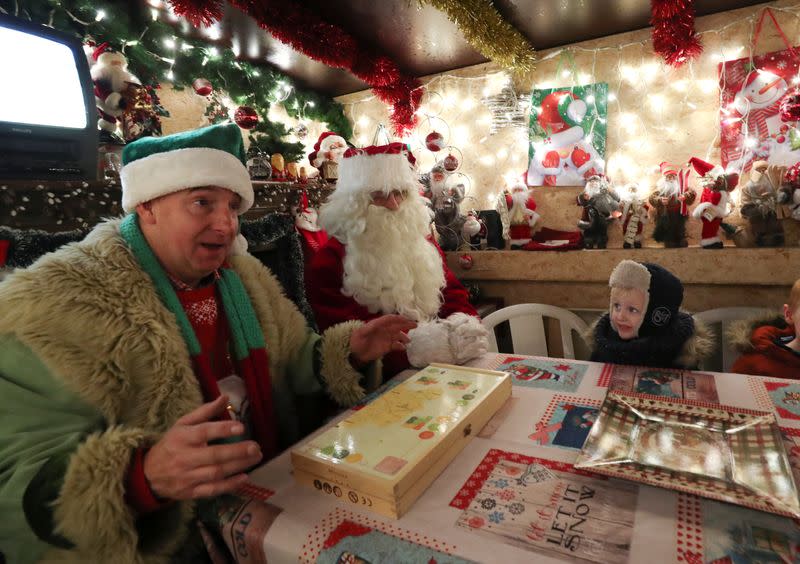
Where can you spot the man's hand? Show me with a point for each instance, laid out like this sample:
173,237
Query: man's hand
182,465
380,336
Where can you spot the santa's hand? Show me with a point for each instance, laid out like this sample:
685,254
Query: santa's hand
378,337
468,337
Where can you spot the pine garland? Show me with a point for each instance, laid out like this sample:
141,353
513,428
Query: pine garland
486,30
143,41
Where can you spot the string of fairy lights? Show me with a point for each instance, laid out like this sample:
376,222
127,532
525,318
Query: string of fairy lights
655,113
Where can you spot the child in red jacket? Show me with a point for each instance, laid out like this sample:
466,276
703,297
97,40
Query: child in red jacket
770,347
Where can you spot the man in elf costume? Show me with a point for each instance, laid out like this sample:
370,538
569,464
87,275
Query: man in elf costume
381,259
146,368
713,206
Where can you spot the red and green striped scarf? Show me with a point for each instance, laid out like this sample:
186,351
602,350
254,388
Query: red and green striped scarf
249,346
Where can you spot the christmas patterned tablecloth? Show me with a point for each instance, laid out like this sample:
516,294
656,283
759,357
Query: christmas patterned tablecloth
513,495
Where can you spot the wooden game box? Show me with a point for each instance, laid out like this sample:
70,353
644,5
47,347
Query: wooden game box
383,456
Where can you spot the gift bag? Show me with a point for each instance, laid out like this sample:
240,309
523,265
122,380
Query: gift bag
751,92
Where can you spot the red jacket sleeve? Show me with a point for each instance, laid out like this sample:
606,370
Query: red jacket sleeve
138,494
455,298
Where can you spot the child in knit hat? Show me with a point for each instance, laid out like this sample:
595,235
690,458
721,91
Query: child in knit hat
770,346
644,325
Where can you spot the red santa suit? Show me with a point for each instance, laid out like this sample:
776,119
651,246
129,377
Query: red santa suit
713,206
324,279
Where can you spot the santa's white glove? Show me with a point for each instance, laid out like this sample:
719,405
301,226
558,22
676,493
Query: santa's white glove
468,337
454,340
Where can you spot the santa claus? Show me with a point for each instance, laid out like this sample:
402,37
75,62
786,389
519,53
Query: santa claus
522,215
111,78
380,258
600,205
565,156
634,216
306,223
670,201
713,206
328,151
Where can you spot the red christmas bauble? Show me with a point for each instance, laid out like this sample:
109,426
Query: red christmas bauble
245,117
202,86
792,175
450,163
434,141
780,138
465,261
789,109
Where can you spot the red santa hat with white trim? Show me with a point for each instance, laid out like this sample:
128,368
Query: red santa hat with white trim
377,168
710,174
323,145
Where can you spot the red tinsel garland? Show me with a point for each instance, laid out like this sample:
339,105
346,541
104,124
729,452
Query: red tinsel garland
291,23
674,37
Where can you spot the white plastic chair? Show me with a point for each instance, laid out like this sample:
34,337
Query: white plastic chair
527,328
719,320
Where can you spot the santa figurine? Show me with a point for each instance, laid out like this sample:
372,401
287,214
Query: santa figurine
474,230
789,194
111,79
634,216
670,202
312,235
328,151
713,206
564,157
600,205
759,205
522,215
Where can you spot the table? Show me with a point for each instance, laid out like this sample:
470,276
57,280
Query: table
471,512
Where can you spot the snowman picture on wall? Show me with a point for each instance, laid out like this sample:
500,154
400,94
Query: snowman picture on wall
566,156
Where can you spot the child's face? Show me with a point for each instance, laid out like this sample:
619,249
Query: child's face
792,318
627,311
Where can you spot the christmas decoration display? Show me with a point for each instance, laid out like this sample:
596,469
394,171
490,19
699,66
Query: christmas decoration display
111,81
634,216
670,201
278,167
522,215
752,93
474,229
303,175
258,165
445,203
789,109
328,151
307,225
291,172
267,136
155,53
434,141
300,131
567,135
600,205
245,117
713,206
143,113
789,194
486,30
202,86
759,205
674,37
508,109
290,22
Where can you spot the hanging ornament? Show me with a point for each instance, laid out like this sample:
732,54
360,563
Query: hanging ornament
300,131
450,163
434,141
790,106
792,175
202,86
465,261
245,117
674,36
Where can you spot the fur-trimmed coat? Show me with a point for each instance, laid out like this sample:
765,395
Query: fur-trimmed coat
762,354
685,346
93,366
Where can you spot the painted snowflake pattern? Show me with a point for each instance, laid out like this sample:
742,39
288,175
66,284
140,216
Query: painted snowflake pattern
204,312
501,483
516,508
496,517
488,503
506,495
476,522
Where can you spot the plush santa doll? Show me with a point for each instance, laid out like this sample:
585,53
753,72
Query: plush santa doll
111,79
522,215
328,151
713,206
634,216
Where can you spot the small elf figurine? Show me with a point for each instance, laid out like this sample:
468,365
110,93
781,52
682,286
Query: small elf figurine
713,206
634,216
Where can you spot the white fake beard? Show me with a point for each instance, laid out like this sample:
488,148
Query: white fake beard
391,267
593,189
337,153
438,189
519,201
667,188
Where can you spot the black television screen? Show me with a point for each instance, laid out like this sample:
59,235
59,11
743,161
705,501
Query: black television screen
48,123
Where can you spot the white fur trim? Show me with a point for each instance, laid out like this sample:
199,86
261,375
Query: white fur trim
468,337
172,171
371,173
430,342
698,211
710,241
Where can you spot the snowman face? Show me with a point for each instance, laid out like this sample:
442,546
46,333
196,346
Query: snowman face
765,90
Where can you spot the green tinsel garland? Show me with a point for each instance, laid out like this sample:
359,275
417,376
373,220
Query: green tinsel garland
486,30
143,41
